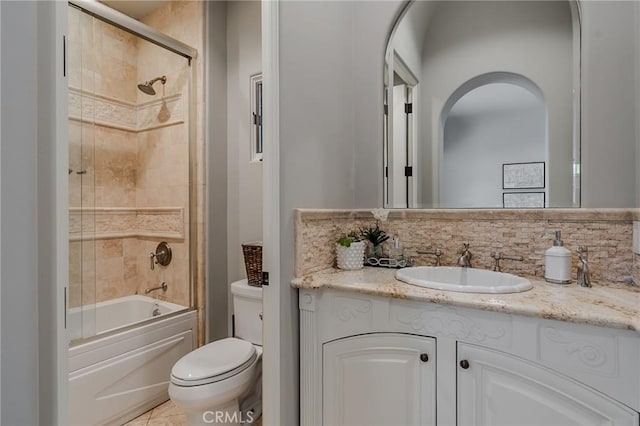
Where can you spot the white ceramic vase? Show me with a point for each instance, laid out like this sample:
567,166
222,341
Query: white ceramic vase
352,257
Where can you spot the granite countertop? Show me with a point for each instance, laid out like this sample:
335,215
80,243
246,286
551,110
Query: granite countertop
613,305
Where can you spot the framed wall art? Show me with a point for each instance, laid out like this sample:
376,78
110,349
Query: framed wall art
523,200
523,175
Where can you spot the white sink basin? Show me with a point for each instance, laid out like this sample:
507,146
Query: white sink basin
465,280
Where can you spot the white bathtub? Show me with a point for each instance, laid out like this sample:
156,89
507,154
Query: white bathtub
107,316
118,376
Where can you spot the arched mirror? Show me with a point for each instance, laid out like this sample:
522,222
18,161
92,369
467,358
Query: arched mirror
482,105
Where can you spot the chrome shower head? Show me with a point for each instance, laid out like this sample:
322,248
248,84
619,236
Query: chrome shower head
148,86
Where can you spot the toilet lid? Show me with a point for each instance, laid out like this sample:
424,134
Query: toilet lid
214,359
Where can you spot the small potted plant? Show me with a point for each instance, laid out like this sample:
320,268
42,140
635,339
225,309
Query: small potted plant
350,251
375,236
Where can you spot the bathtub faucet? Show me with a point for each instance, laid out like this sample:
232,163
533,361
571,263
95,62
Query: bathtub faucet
162,287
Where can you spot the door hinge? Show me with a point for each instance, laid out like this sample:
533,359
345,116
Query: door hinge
408,108
265,278
255,118
408,171
64,56
65,308
386,110
233,325
386,172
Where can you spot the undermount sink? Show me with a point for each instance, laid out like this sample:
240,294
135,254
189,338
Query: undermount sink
465,280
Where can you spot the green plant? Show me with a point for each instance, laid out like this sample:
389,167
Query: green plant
347,239
374,234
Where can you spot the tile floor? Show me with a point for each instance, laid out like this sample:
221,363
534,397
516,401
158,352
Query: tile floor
166,414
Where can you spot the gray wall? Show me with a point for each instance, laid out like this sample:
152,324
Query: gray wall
469,39
234,188
478,141
331,62
19,201
32,340
331,56
609,52
216,151
244,48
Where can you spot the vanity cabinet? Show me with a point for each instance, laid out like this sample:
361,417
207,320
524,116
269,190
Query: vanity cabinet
379,379
361,363
495,388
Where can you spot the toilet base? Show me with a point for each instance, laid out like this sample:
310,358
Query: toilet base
242,410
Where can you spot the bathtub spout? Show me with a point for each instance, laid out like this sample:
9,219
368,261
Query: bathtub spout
162,287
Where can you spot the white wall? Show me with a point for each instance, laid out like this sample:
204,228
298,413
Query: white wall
244,44
533,39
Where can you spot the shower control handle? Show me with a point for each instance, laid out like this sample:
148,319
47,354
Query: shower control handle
162,256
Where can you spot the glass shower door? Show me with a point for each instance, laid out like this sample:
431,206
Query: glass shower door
82,188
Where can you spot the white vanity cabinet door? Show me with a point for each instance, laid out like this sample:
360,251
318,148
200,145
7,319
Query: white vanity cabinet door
382,379
497,389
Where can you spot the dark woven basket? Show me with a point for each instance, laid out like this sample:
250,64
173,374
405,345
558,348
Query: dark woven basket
253,262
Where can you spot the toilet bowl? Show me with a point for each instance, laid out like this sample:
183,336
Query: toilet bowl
220,383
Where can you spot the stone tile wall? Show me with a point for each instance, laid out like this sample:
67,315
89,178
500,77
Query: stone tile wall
183,20
607,233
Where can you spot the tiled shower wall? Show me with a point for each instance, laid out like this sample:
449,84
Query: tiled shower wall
132,150
607,233
184,20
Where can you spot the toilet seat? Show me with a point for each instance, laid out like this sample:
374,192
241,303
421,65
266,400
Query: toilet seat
214,362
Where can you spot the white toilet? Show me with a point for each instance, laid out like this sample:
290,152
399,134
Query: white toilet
221,383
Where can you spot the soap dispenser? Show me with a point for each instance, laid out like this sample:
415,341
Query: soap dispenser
557,262
397,251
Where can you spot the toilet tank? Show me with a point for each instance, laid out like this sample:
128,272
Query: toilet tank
247,308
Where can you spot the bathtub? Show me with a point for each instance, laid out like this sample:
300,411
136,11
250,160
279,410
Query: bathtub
124,370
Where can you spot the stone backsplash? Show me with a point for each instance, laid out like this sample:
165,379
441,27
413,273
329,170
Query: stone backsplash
528,233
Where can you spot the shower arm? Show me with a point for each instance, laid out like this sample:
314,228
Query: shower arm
162,79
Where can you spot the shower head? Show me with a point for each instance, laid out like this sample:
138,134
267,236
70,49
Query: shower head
148,86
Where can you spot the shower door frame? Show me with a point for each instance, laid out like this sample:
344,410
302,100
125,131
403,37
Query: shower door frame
112,17
137,28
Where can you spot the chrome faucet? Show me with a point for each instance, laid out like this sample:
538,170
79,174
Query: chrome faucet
499,256
584,276
436,252
465,257
162,287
